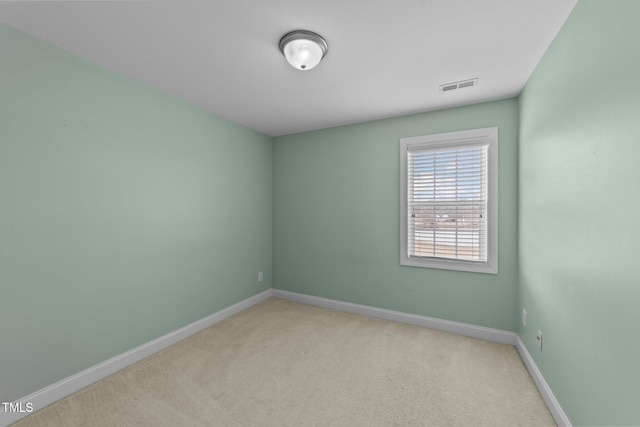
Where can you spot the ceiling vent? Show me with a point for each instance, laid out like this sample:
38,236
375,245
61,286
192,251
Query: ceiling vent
448,87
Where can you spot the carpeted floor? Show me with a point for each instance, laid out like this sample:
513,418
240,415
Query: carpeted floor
281,363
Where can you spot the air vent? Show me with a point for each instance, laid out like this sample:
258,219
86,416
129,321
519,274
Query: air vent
447,87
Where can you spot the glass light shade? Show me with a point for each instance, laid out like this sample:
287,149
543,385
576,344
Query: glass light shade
303,54
303,49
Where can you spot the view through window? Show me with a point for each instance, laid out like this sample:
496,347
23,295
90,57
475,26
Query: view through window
448,200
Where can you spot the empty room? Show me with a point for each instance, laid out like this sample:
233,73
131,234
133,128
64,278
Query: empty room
293,213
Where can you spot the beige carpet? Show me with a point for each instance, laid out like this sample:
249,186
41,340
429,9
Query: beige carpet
281,363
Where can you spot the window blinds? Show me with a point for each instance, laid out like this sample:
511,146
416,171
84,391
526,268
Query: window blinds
447,201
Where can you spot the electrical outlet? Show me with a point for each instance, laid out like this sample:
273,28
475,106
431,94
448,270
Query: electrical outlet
260,277
539,339
524,317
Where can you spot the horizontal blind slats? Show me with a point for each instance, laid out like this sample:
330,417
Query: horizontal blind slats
447,202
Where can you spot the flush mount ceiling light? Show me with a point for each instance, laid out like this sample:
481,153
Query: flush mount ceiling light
303,49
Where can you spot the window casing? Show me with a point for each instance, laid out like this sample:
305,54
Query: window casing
449,201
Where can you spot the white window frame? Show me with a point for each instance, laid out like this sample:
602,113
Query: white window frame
453,139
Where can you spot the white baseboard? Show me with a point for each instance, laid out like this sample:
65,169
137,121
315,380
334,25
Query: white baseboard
63,388
488,334
552,403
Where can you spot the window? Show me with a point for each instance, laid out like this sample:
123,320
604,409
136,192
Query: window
449,201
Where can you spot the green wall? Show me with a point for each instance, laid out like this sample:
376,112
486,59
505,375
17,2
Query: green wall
579,213
125,214
336,230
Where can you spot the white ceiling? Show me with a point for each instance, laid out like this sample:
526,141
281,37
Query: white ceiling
386,57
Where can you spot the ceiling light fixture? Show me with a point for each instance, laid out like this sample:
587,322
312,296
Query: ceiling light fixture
303,49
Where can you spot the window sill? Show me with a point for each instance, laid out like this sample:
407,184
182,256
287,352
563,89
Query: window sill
443,264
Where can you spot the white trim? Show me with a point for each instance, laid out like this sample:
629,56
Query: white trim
488,334
487,136
549,398
67,386
63,388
